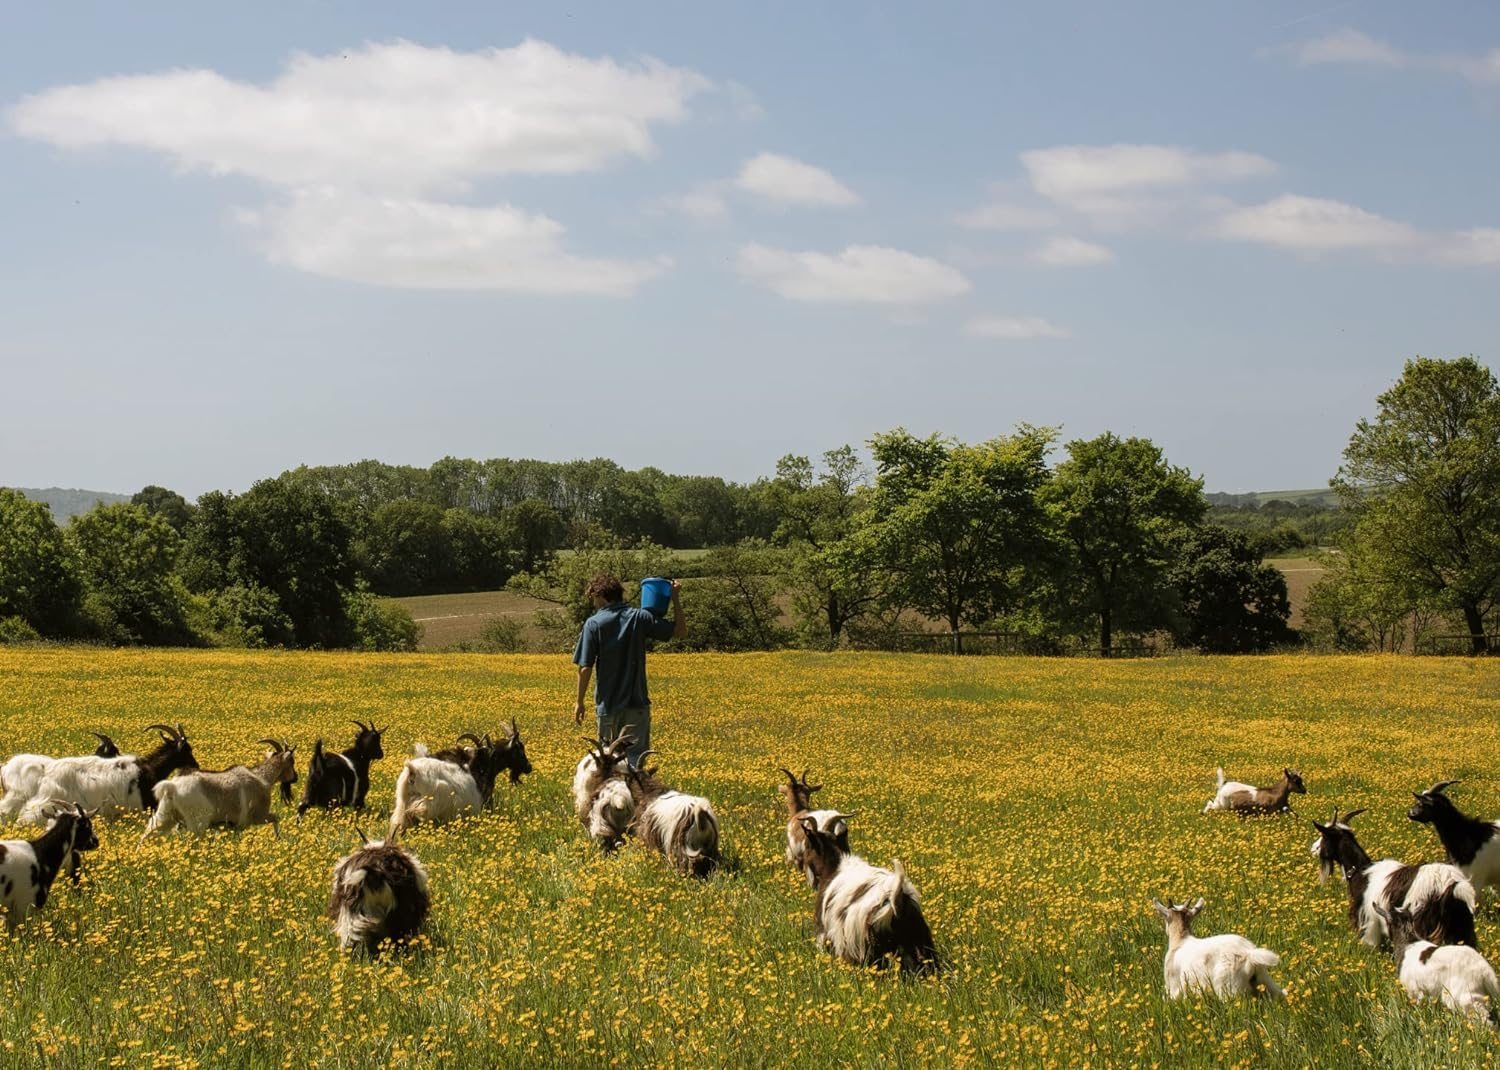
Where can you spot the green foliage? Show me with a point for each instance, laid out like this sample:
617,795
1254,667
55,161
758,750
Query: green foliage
39,580
481,552
406,548
249,616
733,607
502,635
535,529
126,555
1117,508
167,504
377,623
16,630
562,579
1422,481
1230,603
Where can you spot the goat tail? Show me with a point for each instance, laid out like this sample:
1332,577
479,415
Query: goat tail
315,760
1221,777
419,750
1264,957
398,812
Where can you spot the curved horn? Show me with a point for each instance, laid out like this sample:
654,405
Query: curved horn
274,744
181,731
360,725
1352,814
102,738
515,729
470,735
790,775
1442,786
165,729
364,841
641,761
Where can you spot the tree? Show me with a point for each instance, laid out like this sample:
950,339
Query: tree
126,556
481,551
535,529
167,504
406,549
1117,506
39,579
733,606
954,527
1230,602
562,579
1422,481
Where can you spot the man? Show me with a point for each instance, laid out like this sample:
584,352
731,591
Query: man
613,643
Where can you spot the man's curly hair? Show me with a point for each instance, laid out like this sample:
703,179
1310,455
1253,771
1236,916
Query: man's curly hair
606,587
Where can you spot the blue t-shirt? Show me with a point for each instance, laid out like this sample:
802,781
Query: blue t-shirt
613,641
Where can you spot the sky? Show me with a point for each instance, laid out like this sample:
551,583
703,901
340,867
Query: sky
239,238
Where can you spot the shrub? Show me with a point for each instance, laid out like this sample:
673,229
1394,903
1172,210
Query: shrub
249,616
16,630
380,624
502,635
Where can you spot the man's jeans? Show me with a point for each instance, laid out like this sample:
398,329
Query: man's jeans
639,724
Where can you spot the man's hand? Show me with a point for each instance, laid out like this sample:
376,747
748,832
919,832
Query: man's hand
578,713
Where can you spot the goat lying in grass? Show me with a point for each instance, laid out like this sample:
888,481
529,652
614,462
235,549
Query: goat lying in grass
28,867
1244,799
798,797
1437,895
681,827
1472,845
866,915
1226,966
602,798
1454,973
237,797
379,893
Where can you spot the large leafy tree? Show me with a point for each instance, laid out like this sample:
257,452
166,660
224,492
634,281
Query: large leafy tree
1230,602
126,554
1117,507
38,576
168,504
957,527
1423,482
405,549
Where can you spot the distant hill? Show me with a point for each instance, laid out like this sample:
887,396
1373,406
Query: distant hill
1318,496
68,502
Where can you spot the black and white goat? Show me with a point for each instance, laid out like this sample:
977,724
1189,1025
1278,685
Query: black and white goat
236,798
1439,898
1472,845
682,827
1245,799
797,794
602,799
21,774
455,781
1226,966
28,867
1454,973
379,893
342,778
866,914
111,784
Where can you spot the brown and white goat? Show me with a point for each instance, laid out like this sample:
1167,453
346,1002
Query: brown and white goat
681,827
866,915
379,894
602,799
797,794
1244,799
237,797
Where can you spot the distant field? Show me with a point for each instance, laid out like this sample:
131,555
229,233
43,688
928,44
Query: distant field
1301,573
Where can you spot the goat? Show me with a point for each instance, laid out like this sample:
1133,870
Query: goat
28,867
1423,889
866,914
456,781
602,798
798,797
237,797
379,893
22,773
1244,799
682,827
111,784
1454,973
1227,965
342,778
1472,845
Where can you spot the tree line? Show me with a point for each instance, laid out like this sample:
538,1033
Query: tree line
1051,547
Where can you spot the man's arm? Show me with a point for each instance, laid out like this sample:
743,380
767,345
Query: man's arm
679,627
584,672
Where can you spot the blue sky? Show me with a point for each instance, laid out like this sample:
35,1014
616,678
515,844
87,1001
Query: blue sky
701,236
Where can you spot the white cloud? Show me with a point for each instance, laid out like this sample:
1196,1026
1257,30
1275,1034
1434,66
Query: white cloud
861,273
1011,330
1006,215
394,241
704,204
396,117
1479,247
1313,224
789,181
1070,252
1350,46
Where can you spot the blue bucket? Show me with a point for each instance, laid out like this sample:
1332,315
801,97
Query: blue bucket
656,596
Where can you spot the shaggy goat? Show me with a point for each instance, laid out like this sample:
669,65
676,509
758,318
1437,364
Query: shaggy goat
1244,799
1454,973
798,797
1472,845
22,773
1423,890
602,798
379,893
682,827
1228,966
111,784
237,797
28,867
342,778
456,781
864,913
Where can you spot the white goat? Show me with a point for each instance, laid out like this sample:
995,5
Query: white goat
602,799
22,774
110,785
237,797
1226,966
1455,973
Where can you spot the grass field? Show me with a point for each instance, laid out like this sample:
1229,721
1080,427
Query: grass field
1038,804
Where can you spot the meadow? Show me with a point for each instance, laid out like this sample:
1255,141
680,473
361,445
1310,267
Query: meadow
1038,805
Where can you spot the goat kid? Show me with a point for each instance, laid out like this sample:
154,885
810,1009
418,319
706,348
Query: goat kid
1227,966
1458,975
797,795
21,774
28,867
343,777
456,781
237,797
681,827
379,894
1472,845
1438,897
1244,799
602,799
111,784
865,914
